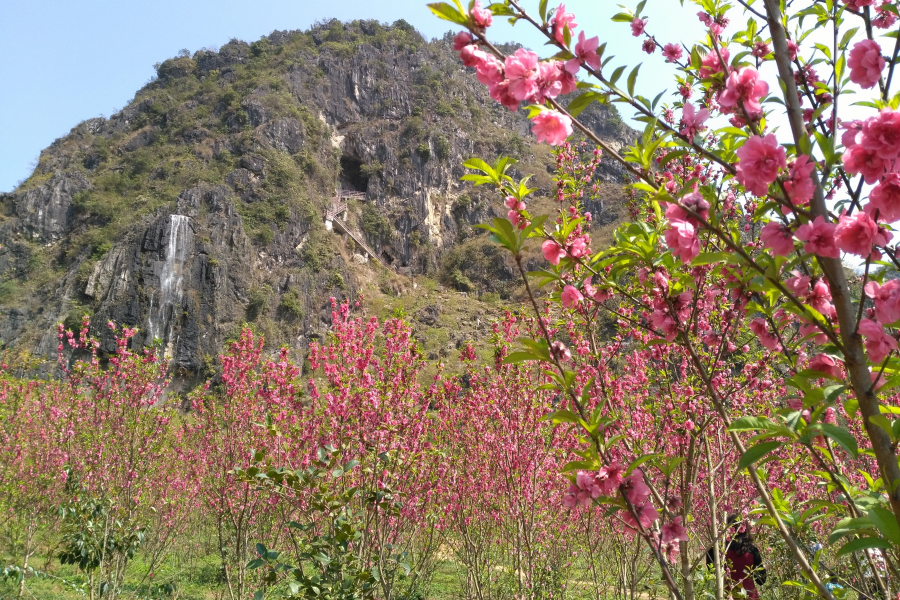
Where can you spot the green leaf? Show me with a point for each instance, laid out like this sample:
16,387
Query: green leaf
616,74
863,544
542,9
632,79
843,438
750,423
563,416
517,357
448,13
255,563
757,452
622,18
583,101
886,523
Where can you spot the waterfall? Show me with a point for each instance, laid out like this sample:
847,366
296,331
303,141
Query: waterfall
171,277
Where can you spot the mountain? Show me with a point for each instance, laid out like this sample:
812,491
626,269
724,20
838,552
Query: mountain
202,204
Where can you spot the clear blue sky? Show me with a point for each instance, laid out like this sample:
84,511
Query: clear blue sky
67,61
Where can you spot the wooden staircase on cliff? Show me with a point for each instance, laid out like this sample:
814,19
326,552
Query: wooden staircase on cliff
333,218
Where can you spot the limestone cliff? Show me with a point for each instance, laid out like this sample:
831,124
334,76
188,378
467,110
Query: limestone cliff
201,205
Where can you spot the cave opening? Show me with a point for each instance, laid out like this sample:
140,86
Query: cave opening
352,176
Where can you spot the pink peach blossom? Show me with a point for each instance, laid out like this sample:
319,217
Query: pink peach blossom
866,63
819,238
681,237
887,299
825,364
881,134
585,52
552,127
637,26
760,159
571,297
522,73
745,88
672,52
760,327
561,20
778,237
860,160
482,17
858,233
693,121
800,186
710,65
553,252
885,199
674,531
878,343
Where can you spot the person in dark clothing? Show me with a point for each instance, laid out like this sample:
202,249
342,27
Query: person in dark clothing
743,562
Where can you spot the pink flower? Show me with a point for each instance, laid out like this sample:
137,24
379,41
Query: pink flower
637,26
778,237
825,364
681,237
674,531
552,127
636,490
522,73
585,52
588,482
471,56
760,50
489,69
866,63
561,20
693,121
800,186
571,297
745,88
798,285
560,351
695,202
462,39
858,4
649,46
647,515
610,478
819,238
553,252
760,158
887,299
857,234
672,52
820,299
710,65
792,49
482,17
885,198
665,323
878,343
881,134
500,92
858,159
575,496
579,247
761,329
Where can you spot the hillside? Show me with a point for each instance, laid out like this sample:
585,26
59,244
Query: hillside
202,204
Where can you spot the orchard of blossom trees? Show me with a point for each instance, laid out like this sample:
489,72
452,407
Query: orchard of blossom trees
726,367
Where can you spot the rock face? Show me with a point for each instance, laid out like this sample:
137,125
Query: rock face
200,205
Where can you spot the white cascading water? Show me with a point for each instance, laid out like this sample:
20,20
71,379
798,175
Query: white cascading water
171,277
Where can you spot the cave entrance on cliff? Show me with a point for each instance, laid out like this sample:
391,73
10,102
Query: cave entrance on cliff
352,176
